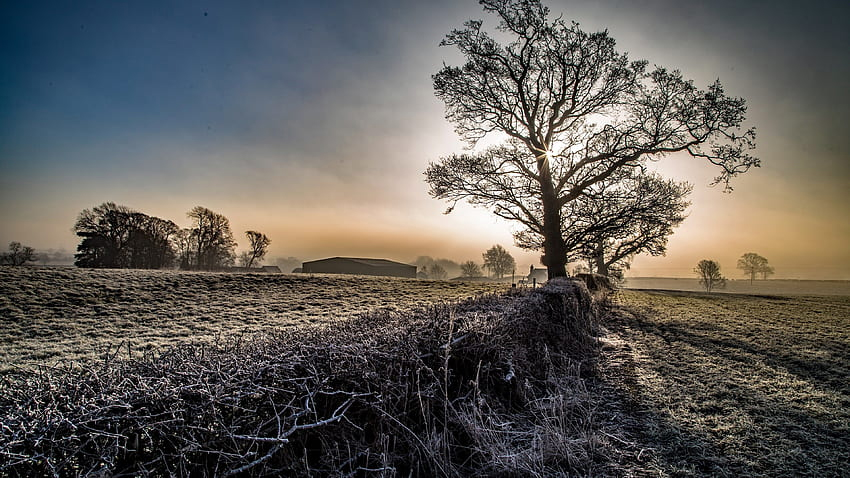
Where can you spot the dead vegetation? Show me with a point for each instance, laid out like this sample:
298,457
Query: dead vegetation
489,387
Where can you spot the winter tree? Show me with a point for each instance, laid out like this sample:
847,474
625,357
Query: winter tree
470,269
709,275
499,261
579,111
753,264
259,246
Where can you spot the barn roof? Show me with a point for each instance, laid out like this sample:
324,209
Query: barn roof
369,262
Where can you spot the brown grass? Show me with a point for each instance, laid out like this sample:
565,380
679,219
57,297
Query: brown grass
49,314
730,385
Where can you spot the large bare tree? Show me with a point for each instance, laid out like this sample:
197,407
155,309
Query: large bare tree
577,109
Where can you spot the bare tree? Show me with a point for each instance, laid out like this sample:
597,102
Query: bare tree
632,213
259,246
765,271
212,239
752,264
579,109
499,261
437,272
709,275
18,255
470,269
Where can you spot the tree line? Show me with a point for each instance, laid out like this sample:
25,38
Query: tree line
750,263
115,236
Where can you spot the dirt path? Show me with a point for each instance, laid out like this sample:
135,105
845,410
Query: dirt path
700,385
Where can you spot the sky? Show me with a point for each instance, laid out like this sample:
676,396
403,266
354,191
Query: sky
313,122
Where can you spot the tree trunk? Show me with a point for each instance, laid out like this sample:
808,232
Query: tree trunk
554,249
601,265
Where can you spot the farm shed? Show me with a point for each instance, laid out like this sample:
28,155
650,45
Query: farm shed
271,269
355,265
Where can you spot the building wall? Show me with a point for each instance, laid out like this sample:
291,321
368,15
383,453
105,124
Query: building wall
344,266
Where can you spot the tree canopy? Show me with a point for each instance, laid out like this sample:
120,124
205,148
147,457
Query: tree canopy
576,113
115,236
499,261
753,264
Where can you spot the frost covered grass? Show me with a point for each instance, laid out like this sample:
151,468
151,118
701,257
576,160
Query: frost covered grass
491,386
59,314
730,385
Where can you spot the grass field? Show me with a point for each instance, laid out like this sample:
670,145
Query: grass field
686,384
50,314
730,385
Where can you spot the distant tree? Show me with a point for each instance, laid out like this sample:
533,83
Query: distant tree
259,246
184,242
425,263
212,238
499,261
709,275
437,272
118,237
18,255
752,264
243,258
470,269
581,111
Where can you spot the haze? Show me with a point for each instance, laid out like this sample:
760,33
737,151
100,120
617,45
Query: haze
314,122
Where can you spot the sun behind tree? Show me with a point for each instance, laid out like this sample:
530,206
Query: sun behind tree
576,111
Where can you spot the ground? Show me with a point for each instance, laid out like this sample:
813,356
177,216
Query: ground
685,383
729,385
51,314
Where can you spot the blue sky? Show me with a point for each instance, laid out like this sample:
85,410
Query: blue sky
313,122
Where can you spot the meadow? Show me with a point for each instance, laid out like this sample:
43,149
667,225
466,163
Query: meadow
678,383
60,314
730,385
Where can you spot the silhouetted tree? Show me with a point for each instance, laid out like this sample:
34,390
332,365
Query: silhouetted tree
424,264
118,237
436,272
186,246
18,255
259,246
470,269
752,264
629,214
580,111
709,275
212,238
499,261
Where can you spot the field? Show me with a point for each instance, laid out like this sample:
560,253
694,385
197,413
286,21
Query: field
740,286
684,383
731,385
51,314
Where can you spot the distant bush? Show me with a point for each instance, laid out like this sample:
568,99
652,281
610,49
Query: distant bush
484,387
18,255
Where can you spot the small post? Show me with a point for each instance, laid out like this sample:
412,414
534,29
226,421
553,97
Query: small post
534,282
